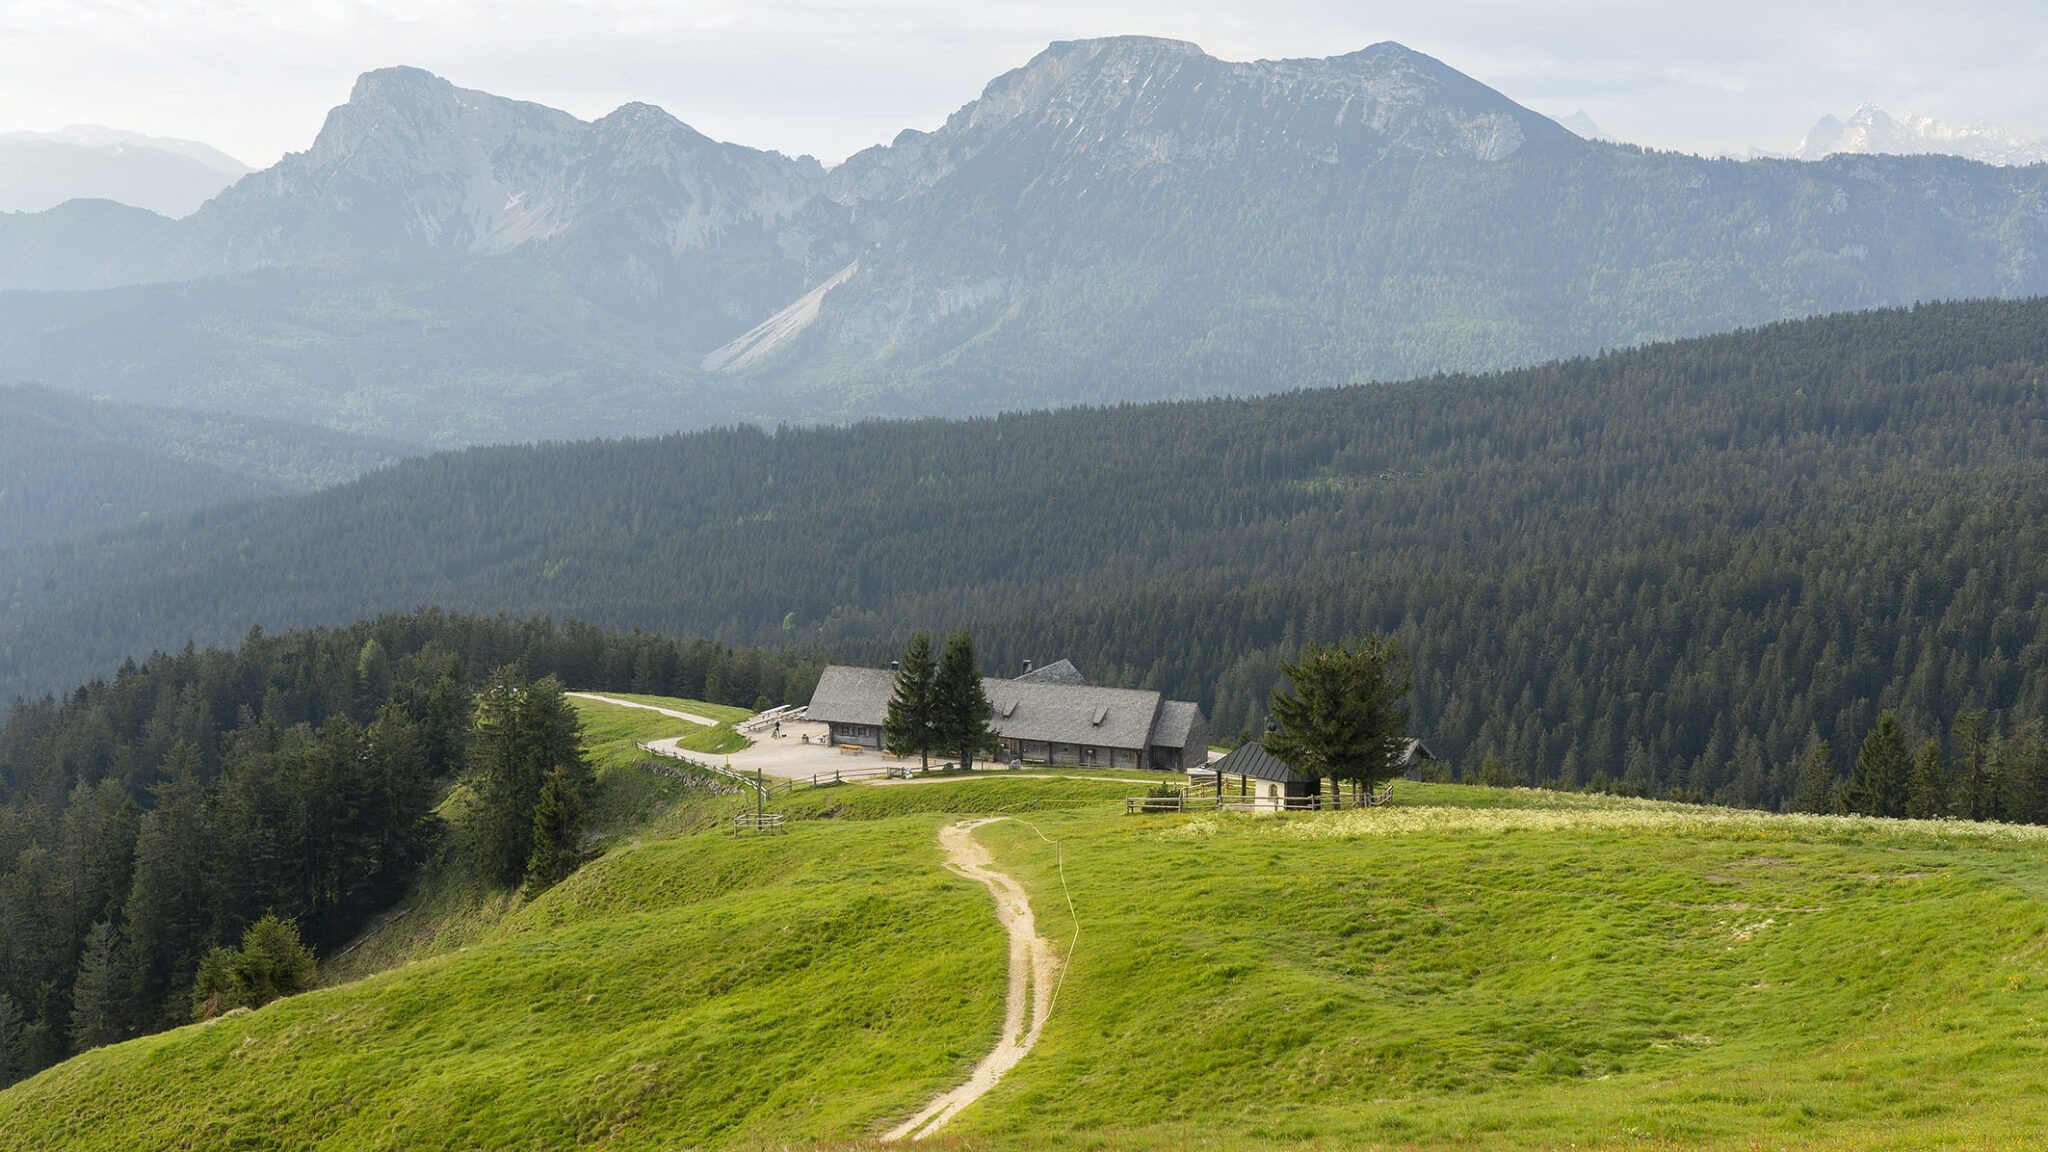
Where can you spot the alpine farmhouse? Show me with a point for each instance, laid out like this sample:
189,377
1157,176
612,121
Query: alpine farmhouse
1050,715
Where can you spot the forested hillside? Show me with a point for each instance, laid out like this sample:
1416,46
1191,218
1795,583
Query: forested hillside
1671,568
148,817
70,465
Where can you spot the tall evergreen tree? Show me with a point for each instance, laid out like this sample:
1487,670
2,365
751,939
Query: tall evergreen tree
169,917
96,993
1819,788
558,821
911,724
400,773
1344,718
1882,779
1928,796
13,1043
98,834
2022,770
522,732
1976,795
960,707
445,719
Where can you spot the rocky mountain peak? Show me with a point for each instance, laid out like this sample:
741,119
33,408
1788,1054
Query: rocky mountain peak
1135,102
1871,130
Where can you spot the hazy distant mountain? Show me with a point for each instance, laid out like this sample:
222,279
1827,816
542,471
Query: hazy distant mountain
69,465
1117,219
40,170
1869,130
1581,125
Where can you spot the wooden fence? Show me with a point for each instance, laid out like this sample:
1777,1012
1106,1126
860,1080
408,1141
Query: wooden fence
753,823
1191,802
1195,798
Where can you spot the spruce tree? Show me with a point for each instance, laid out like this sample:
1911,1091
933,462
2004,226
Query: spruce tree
1927,798
1976,794
960,707
910,724
1343,717
1495,772
167,915
13,1046
557,833
445,719
1882,779
522,731
95,994
1819,787
2021,761
272,962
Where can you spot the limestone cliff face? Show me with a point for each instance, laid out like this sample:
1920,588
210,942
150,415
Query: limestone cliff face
1089,109
1128,150
412,164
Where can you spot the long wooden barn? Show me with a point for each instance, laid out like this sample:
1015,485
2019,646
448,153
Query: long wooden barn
1050,715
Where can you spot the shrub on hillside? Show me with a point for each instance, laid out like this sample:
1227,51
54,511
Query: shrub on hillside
272,962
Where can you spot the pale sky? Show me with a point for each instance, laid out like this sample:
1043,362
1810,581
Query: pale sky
828,77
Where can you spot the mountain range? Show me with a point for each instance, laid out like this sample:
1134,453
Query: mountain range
40,170
1118,219
1871,130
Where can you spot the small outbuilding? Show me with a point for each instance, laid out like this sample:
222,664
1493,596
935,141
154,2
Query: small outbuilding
1266,780
1277,785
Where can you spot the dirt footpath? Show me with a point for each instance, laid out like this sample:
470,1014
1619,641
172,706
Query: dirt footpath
1034,970
692,717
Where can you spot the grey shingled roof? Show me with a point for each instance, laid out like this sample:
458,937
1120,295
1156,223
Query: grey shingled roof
1176,721
1023,710
1072,714
1254,761
852,695
1058,672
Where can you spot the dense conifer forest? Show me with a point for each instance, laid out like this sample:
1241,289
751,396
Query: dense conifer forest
1677,569
155,815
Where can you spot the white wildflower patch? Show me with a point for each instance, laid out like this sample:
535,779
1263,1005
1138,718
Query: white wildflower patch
1646,817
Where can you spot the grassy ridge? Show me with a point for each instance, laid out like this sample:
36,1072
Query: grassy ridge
1584,971
680,993
1471,968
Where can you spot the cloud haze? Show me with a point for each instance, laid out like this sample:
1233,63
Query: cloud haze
827,77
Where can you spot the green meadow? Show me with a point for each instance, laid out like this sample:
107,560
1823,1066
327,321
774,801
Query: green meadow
609,722
1470,968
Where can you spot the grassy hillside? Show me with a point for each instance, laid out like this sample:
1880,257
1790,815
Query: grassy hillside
1569,972
452,906
675,993
1471,968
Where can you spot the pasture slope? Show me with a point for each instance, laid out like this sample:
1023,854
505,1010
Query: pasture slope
1469,968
